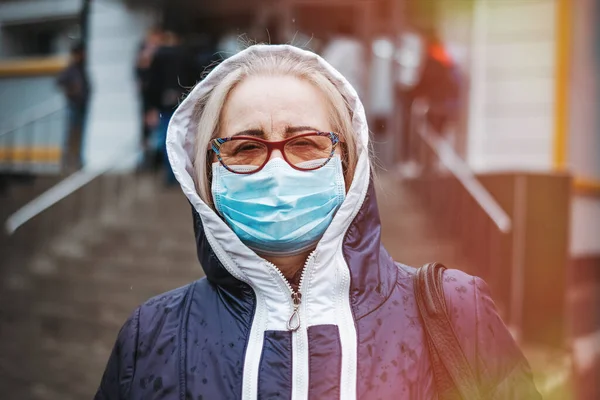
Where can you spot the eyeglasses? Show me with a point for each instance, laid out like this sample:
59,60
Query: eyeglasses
247,154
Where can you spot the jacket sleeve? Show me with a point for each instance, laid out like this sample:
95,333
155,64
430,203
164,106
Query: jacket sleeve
119,372
499,357
499,364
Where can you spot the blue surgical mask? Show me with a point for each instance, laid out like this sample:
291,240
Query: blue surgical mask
279,211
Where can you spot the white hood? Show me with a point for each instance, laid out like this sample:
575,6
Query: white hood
326,285
181,138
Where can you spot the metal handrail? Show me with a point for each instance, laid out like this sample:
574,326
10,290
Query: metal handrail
62,190
461,171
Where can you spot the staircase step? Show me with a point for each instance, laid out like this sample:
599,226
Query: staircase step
64,307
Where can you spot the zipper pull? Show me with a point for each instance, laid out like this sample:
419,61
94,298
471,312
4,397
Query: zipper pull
294,322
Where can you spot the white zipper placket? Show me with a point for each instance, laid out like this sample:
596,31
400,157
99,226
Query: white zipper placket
296,321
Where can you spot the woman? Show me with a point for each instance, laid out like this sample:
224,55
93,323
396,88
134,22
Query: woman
301,300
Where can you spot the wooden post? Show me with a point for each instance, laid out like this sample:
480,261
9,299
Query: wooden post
538,204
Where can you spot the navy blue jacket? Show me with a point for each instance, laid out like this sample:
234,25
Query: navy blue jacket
360,336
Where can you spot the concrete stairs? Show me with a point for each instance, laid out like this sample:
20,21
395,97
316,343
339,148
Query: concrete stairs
61,310
408,233
17,190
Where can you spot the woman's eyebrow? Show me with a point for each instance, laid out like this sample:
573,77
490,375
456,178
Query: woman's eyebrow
289,130
250,132
296,129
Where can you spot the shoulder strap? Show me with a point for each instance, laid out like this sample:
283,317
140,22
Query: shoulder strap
453,376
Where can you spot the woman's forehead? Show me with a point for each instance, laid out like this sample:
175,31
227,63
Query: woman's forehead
272,104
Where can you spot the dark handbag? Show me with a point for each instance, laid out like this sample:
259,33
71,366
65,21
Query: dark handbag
453,376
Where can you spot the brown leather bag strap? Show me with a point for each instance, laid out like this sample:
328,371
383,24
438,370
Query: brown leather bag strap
453,376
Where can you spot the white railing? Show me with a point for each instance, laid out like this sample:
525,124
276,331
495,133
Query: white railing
64,189
461,171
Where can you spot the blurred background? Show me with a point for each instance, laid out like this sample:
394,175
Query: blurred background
484,120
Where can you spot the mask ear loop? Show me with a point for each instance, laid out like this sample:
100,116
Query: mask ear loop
213,191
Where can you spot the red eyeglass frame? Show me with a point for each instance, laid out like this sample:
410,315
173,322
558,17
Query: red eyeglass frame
216,143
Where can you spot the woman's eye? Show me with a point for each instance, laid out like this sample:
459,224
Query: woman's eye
303,143
246,148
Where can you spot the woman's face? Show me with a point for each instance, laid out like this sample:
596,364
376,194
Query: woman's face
274,108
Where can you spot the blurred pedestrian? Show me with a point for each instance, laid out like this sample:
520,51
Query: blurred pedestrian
75,85
428,74
439,84
145,55
300,299
172,73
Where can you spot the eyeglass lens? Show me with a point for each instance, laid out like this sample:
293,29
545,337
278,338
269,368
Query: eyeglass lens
305,152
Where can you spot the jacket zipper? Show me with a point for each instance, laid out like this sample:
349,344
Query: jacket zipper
293,323
299,339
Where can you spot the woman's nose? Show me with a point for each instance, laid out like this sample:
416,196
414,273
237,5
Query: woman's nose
276,153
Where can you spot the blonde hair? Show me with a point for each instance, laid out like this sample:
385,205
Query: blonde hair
210,106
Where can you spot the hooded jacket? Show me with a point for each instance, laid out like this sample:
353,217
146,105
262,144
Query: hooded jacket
225,336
